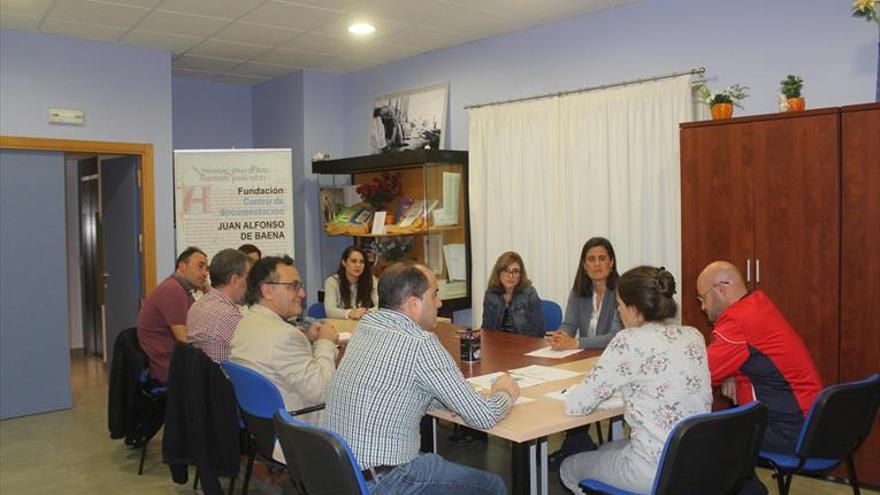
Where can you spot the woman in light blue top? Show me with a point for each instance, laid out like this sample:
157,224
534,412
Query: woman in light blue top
591,317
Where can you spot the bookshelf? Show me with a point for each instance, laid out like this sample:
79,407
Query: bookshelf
437,177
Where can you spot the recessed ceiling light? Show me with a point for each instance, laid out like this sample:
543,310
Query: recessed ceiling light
361,28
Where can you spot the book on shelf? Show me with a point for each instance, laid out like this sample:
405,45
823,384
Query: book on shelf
362,217
347,214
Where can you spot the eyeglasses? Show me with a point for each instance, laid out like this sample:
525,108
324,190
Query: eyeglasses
702,297
512,271
294,286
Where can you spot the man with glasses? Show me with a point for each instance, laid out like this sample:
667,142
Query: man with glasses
752,342
299,362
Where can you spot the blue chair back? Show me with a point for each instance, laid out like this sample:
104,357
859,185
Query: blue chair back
706,454
552,315
317,311
840,419
712,453
258,399
319,461
255,394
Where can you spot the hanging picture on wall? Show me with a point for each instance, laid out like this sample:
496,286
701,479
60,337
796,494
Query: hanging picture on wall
409,120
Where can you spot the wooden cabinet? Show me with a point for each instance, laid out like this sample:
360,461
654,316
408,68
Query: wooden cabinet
438,179
860,262
794,200
763,193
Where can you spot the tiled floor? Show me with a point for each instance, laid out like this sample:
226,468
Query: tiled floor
70,452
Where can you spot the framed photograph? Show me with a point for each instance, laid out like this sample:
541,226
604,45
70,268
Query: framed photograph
331,203
409,120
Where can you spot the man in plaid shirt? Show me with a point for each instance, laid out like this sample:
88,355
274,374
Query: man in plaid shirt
393,370
212,319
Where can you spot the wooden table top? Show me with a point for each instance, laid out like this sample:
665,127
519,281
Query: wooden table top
502,351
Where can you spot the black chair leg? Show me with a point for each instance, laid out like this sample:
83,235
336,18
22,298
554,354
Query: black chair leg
788,479
249,468
143,456
853,479
196,480
231,485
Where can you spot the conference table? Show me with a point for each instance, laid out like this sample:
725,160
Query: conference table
528,425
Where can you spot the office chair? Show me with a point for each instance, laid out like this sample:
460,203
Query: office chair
317,311
705,454
319,461
839,420
552,315
258,399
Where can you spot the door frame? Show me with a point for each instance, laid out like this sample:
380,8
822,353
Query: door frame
142,150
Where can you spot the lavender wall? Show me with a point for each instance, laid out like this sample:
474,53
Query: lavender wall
752,42
323,114
278,123
124,91
209,115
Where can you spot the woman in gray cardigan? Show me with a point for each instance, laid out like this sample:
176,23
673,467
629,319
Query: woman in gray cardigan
591,320
591,317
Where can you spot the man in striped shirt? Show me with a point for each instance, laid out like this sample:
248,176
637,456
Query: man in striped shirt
393,371
212,319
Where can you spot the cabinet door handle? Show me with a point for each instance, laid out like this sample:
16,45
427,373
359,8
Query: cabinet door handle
748,269
757,271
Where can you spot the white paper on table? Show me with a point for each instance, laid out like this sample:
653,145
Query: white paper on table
485,381
560,394
455,261
523,400
344,336
545,373
548,352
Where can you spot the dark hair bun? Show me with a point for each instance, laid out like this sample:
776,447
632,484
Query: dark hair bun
665,283
650,290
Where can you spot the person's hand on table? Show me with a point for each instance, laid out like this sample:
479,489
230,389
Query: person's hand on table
505,383
357,313
559,340
326,331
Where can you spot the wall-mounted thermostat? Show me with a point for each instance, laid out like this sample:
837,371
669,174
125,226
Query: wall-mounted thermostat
66,116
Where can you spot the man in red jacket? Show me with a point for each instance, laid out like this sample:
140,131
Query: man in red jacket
754,343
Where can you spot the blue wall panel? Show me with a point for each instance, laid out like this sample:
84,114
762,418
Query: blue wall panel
34,354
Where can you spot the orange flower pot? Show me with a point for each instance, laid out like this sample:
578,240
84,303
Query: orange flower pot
722,111
796,104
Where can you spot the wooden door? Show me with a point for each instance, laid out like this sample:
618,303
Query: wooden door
717,204
797,226
860,262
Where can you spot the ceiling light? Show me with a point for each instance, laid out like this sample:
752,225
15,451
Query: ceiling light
361,28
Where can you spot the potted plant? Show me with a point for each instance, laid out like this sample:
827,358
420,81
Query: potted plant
722,102
791,87
381,190
870,10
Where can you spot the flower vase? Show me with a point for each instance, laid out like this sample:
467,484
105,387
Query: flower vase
722,111
796,104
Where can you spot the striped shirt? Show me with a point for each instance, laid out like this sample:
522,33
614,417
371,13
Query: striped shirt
211,322
391,373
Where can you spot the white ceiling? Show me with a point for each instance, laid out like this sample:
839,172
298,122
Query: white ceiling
249,41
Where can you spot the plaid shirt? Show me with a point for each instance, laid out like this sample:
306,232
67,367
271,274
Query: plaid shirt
211,322
392,371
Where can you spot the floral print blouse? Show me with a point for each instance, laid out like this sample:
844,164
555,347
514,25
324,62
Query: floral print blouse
661,372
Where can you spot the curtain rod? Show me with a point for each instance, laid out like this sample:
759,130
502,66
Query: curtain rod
701,71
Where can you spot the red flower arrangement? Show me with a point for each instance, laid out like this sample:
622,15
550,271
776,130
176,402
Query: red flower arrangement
381,190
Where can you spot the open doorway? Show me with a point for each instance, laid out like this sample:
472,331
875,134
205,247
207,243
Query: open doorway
104,249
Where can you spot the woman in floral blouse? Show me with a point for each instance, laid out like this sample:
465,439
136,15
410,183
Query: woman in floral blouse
659,369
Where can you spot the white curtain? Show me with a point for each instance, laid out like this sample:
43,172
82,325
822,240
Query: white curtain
548,174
